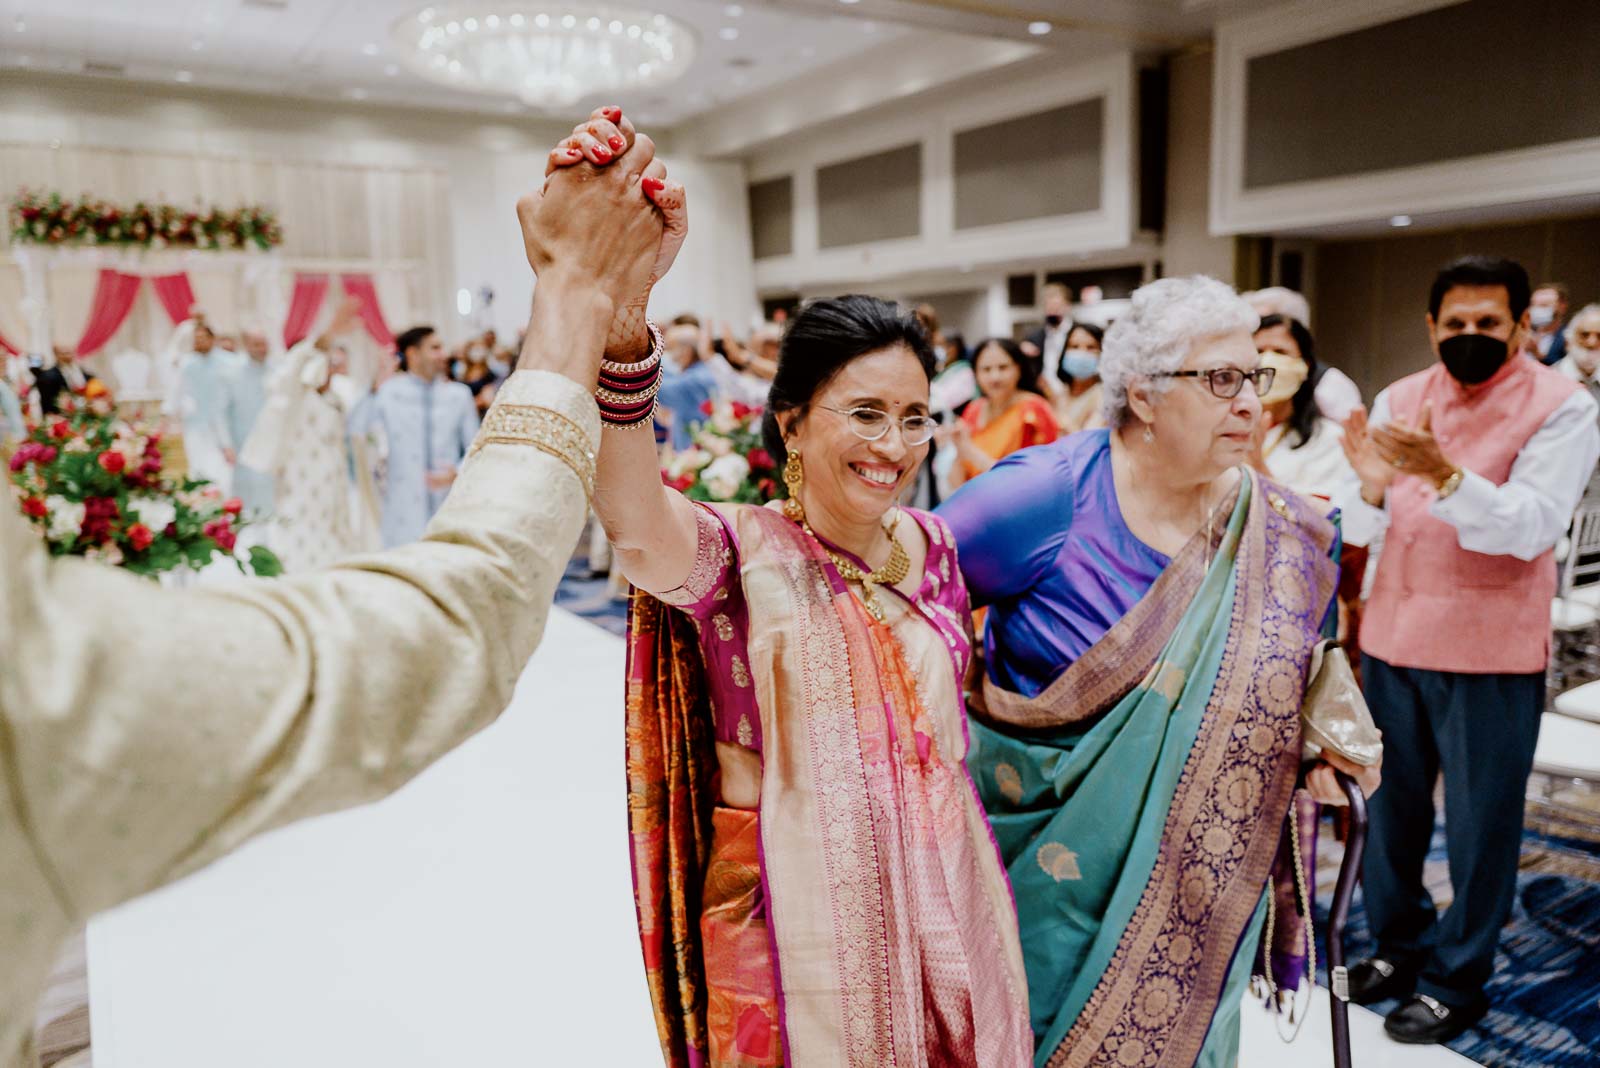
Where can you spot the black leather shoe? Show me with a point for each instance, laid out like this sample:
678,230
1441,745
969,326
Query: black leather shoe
1376,979
1424,1021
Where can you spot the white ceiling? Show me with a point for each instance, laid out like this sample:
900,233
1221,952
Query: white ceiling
341,49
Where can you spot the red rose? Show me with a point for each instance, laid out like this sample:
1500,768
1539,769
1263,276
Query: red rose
35,507
225,539
60,430
768,488
140,537
46,455
705,407
761,460
742,410
19,460
113,462
233,506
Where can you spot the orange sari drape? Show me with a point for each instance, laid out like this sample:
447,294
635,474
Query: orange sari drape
1028,422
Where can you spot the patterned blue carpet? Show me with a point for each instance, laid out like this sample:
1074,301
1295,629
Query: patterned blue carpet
1545,994
1546,986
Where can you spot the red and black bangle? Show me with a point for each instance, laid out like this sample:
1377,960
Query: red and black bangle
627,391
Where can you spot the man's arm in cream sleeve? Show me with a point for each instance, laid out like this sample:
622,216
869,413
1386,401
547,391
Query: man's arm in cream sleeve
152,730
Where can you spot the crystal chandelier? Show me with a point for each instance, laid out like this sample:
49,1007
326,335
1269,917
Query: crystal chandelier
547,54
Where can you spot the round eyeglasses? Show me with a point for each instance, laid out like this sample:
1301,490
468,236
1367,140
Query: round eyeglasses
1226,382
870,424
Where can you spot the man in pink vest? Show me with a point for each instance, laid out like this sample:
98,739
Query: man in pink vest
1470,472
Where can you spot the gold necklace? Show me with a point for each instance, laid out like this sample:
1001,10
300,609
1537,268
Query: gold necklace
891,573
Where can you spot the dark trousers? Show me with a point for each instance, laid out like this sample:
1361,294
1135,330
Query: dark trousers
1481,731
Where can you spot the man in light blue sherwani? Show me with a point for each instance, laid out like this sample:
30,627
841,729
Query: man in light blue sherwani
428,422
246,393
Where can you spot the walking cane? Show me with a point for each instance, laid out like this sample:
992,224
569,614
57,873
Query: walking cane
1339,915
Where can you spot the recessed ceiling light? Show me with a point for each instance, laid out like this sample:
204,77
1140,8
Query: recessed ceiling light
849,1
729,33
196,45
392,69
356,94
21,25
1400,220
1039,29
184,76
369,49
733,11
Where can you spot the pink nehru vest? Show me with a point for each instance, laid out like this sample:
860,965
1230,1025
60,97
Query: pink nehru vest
1435,605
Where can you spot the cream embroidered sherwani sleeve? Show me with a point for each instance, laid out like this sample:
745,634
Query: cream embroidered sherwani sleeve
145,732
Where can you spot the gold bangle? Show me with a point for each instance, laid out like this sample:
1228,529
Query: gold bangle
1451,483
544,429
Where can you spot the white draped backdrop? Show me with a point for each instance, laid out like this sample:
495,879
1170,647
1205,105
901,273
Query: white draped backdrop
390,222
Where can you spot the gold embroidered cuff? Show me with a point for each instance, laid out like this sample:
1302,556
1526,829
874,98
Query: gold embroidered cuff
546,430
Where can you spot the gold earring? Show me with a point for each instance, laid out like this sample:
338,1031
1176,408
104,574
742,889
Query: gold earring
794,477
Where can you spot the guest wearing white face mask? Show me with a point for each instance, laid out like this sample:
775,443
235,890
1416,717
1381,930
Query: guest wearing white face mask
1547,313
1582,364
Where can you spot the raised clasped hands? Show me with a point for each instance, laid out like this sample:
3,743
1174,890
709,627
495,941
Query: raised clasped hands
607,140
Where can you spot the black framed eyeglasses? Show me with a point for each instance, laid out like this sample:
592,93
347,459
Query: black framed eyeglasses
870,424
1226,382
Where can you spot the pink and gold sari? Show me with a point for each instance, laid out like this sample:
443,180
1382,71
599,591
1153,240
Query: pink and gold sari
860,917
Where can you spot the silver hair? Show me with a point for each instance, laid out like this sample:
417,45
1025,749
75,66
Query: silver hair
1154,336
1280,300
1584,312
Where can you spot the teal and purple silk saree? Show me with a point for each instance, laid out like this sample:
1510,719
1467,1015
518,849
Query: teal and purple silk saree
1139,793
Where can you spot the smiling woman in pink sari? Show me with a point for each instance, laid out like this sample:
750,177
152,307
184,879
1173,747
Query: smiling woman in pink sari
815,880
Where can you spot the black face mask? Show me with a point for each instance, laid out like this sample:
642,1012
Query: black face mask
1472,358
1053,321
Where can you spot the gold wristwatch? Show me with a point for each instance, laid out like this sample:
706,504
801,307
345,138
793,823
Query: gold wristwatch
1451,483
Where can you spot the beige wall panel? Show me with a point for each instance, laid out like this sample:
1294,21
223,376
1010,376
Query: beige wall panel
1031,167
1424,89
1188,246
872,198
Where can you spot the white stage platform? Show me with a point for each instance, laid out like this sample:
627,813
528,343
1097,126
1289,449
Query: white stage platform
482,916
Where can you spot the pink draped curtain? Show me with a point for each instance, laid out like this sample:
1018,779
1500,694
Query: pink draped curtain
175,294
113,300
361,288
309,292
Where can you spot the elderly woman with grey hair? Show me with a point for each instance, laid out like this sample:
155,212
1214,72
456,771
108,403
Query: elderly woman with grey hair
1153,607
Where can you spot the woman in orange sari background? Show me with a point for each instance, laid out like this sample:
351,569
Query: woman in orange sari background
1012,414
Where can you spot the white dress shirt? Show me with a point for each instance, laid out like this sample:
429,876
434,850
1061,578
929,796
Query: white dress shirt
1529,513
1054,347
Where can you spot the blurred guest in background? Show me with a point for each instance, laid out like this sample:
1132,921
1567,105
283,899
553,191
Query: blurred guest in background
198,400
246,394
1011,415
301,443
685,391
1547,314
64,379
428,423
1049,342
1337,394
1077,397
1582,364
1299,446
